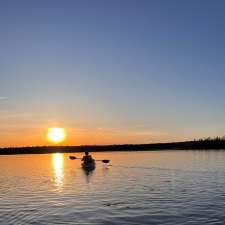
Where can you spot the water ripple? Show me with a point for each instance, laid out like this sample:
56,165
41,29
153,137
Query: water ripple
156,188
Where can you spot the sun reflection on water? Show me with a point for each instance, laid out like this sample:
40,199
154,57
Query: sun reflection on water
58,168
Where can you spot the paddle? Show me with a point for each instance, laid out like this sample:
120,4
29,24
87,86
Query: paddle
73,157
104,160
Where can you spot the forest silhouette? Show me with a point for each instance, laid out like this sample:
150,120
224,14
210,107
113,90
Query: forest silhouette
200,144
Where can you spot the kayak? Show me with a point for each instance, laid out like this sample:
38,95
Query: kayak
88,166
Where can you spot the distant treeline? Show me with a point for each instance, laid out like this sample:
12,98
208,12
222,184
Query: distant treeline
201,144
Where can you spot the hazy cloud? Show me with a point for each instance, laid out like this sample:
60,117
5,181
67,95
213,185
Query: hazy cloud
3,98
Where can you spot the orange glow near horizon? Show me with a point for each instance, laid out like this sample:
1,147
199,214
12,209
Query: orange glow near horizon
39,135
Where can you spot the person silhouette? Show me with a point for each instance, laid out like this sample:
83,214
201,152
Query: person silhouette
87,158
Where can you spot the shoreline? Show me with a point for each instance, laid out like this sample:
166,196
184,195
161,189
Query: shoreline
206,144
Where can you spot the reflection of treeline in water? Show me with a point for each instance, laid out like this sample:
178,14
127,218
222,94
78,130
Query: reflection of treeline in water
201,144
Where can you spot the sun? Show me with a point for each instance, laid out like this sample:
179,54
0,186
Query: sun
56,135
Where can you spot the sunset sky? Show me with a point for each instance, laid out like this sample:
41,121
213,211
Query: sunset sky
111,72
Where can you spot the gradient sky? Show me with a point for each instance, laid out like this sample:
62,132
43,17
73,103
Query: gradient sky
111,71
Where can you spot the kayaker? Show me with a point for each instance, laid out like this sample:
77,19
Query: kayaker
87,158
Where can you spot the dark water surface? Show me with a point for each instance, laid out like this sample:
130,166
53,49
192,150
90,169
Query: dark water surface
163,187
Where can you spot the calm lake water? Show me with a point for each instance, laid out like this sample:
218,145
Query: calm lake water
163,187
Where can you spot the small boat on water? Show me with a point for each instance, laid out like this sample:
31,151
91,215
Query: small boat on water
88,166
88,163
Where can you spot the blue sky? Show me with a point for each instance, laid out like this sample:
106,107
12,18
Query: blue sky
112,71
